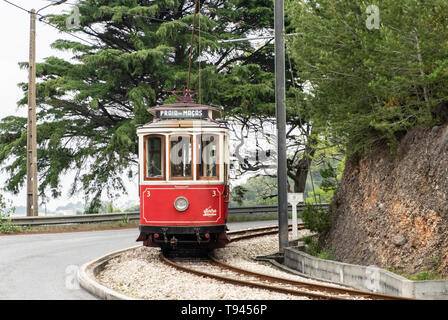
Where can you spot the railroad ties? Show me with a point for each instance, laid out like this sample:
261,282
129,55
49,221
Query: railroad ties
230,274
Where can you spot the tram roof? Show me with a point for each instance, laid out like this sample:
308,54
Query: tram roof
185,105
184,123
185,110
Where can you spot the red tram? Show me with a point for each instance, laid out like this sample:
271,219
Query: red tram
184,177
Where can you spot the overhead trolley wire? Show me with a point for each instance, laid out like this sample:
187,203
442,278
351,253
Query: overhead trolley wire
199,55
54,1
127,14
192,28
191,46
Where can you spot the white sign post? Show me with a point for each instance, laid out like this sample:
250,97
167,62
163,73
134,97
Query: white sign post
294,199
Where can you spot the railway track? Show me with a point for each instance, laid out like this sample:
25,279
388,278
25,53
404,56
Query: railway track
257,232
224,272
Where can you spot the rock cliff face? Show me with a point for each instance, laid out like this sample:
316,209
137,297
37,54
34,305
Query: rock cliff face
392,210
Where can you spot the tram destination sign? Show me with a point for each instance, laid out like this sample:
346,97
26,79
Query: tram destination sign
182,114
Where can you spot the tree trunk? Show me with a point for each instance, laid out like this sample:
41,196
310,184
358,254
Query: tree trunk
299,172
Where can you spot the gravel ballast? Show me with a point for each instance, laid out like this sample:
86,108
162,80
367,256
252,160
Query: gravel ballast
139,273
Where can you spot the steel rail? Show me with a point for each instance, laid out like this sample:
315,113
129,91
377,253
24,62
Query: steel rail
330,289
307,289
311,286
257,232
250,231
246,283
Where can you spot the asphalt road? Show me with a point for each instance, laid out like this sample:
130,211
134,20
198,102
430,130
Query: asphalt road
43,266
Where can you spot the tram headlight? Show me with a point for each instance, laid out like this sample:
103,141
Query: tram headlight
181,204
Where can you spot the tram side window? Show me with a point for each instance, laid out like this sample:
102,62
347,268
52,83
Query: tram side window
180,157
154,156
208,156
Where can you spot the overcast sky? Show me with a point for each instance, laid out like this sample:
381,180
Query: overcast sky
14,48
15,28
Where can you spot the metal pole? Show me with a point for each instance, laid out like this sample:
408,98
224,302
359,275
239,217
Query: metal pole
280,97
31,147
31,160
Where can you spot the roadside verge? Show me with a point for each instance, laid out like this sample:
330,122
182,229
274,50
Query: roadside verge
87,277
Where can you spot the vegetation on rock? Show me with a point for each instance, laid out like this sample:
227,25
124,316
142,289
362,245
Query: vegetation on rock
368,86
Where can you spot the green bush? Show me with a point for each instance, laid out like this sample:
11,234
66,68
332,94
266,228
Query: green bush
326,255
315,249
6,225
312,246
315,219
424,275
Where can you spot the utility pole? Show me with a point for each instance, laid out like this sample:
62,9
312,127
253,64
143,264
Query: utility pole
31,146
280,97
31,150
280,108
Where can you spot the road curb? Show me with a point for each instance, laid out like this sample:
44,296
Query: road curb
87,277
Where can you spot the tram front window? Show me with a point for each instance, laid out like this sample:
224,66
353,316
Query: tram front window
154,157
207,150
180,157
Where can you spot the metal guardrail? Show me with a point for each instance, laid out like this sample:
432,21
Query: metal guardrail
267,209
122,216
81,218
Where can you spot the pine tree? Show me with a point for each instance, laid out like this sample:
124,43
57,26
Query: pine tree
369,84
136,51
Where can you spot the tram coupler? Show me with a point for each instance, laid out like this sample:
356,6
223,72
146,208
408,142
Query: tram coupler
173,242
198,236
165,238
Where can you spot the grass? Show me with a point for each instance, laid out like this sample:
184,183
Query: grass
424,275
421,276
326,255
6,226
70,227
313,248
